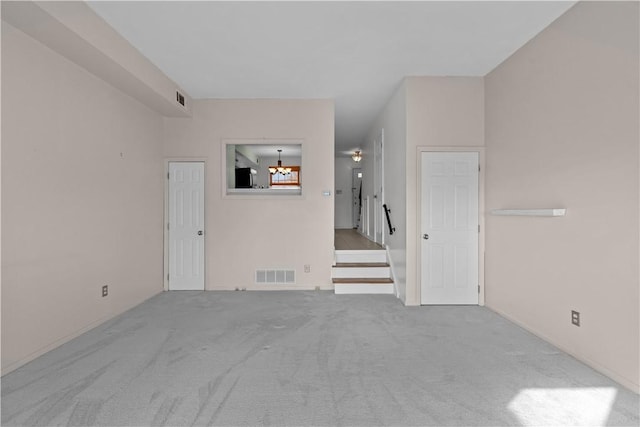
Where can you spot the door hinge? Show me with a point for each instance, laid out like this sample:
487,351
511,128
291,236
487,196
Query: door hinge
167,226
478,168
478,288
167,277
478,228
168,175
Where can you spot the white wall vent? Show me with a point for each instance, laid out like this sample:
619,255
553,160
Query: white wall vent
275,277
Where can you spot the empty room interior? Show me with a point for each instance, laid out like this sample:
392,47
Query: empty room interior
320,213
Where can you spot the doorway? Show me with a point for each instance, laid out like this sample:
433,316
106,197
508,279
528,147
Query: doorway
186,226
356,197
449,228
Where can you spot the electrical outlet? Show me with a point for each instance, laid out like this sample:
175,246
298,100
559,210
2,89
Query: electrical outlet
575,317
307,268
105,290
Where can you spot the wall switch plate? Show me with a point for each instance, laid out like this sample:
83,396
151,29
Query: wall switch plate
105,290
307,268
575,317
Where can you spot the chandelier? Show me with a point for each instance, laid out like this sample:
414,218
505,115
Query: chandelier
279,169
356,156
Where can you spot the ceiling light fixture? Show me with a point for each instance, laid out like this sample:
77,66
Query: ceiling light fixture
279,169
356,156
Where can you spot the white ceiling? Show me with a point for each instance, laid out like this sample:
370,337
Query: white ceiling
355,52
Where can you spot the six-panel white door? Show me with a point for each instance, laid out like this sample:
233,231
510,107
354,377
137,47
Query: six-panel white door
186,226
449,228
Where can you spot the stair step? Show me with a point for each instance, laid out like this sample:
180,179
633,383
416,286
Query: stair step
360,256
363,280
363,286
362,272
380,271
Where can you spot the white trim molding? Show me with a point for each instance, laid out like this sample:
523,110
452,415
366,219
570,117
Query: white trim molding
530,212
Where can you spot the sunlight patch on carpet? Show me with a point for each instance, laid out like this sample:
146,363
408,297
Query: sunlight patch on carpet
589,406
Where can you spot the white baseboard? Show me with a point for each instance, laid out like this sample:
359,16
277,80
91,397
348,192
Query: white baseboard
289,287
393,272
363,288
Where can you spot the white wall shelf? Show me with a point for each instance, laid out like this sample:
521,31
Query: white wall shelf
530,212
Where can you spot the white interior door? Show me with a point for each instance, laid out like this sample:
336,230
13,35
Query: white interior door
449,226
186,226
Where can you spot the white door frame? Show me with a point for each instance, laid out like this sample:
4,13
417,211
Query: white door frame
364,223
355,220
378,178
481,210
165,273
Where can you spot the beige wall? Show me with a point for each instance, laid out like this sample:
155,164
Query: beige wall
393,120
562,131
441,112
245,233
82,199
76,32
1,370
425,113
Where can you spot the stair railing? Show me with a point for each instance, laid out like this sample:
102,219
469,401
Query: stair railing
386,211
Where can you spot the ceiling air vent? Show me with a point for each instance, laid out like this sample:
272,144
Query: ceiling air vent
180,98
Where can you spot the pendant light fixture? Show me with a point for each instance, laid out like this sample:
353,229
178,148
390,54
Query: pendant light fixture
279,169
356,156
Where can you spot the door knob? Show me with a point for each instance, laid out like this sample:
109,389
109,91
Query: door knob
200,233
425,236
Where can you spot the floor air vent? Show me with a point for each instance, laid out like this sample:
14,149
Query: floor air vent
275,277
